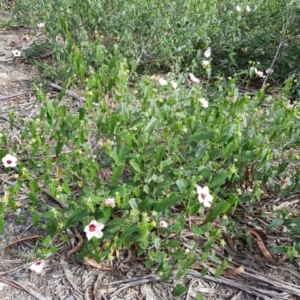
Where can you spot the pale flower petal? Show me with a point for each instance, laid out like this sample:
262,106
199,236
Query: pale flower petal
205,190
204,196
206,204
238,8
259,73
269,71
174,85
204,103
193,78
109,202
38,266
162,82
16,53
163,224
9,161
199,189
207,53
41,25
205,63
94,229
248,9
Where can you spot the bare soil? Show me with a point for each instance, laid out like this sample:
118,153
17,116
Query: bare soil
66,277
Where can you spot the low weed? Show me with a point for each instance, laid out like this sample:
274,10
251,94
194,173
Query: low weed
137,164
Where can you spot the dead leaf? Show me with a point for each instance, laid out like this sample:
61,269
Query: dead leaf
94,264
3,75
231,242
234,272
147,292
262,247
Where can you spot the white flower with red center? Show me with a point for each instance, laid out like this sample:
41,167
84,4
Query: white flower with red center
259,73
38,266
207,53
163,224
41,25
109,202
248,9
94,229
204,102
205,63
269,71
9,161
238,8
162,82
16,53
193,78
204,196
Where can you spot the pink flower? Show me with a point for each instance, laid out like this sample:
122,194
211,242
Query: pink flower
38,266
193,78
109,202
204,196
163,224
94,229
204,102
205,63
259,73
207,53
9,161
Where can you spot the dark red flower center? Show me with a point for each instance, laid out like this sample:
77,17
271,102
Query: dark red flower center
92,227
203,196
38,263
9,161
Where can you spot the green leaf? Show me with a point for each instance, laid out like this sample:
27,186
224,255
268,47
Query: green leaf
81,113
167,162
202,136
276,222
193,209
58,147
1,224
179,290
77,216
48,215
221,207
219,179
123,152
181,184
66,188
34,198
17,186
117,171
128,232
151,124
165,204
200,297
35,220
33,184
133,204
135,166
160,151
115,157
